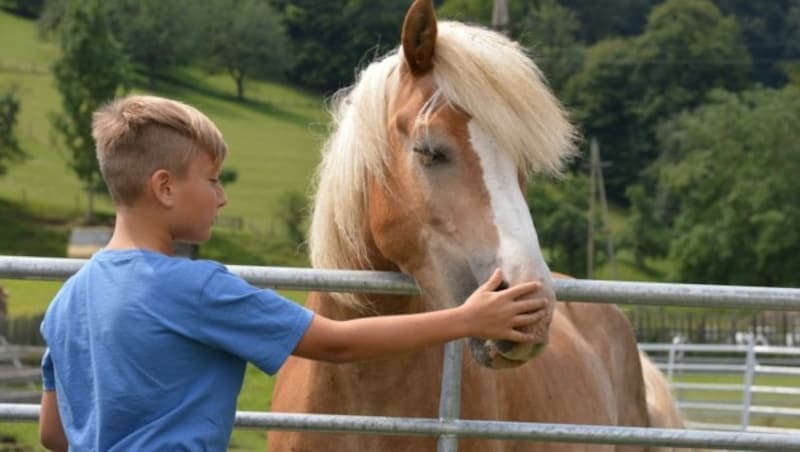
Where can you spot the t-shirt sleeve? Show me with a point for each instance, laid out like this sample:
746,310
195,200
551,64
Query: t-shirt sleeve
255,324
48,375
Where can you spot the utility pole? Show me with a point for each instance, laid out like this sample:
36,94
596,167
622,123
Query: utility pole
597,185
500,16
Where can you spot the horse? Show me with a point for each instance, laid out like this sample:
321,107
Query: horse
662,411
424,173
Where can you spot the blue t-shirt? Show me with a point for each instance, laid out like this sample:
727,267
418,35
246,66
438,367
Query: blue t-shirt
148,352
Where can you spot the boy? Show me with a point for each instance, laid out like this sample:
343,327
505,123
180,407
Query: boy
147,351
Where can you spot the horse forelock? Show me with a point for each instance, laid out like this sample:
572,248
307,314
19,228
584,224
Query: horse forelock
492,78
355,150
476,69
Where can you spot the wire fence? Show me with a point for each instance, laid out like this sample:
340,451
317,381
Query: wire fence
659,325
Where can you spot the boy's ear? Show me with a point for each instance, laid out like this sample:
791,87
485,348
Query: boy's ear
161,186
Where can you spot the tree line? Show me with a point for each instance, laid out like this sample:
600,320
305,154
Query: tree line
694,102
243,38
697,116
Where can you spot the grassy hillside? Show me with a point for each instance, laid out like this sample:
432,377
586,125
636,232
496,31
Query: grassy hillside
274,137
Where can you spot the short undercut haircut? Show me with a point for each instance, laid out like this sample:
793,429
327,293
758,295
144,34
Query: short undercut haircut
138,135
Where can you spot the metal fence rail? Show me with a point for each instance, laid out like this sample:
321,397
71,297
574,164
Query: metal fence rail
742,359
636,293
448,427
573,433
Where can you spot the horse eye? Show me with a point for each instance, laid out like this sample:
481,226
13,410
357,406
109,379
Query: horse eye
430,156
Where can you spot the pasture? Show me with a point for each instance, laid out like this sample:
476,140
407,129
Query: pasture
274,137
735,398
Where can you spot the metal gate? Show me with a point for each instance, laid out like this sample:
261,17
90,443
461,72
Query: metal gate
448,427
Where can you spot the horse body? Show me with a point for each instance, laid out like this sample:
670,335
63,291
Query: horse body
580,377
424,174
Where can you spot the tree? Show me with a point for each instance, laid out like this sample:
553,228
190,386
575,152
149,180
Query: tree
731,167
50,18
610,18
248,40
601,98
550,31
89,72
791,68
474,11
331,39
597,19
629,86
25,8
228,176
688,48
293,213
156,35
9,147
559,211
647,235
770,32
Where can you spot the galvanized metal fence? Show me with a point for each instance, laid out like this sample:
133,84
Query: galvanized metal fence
659,325
731,405
448,427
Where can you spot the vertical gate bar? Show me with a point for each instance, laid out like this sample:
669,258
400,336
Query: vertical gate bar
450,400
747,391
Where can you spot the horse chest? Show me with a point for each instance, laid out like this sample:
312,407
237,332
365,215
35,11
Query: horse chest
406,385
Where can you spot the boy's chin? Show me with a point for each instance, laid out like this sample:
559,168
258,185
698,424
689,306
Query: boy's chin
197,239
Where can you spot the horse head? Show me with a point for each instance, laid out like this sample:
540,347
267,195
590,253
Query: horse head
439,139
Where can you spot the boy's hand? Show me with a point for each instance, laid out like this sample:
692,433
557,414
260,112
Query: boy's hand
499,314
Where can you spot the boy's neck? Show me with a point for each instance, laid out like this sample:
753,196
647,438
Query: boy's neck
136,229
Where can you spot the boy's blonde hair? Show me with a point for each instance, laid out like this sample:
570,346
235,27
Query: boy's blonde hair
137,135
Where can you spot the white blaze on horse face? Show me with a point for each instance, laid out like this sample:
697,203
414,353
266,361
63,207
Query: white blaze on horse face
518,254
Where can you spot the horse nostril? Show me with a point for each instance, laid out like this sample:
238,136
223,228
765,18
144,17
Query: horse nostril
503,285
505,346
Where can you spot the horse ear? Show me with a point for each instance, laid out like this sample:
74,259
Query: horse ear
419,36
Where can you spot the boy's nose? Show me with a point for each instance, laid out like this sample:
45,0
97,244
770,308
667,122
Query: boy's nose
222,198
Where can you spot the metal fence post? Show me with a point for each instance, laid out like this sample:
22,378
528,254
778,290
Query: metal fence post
671,360
747,391
450,400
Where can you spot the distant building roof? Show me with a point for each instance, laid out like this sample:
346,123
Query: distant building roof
86,240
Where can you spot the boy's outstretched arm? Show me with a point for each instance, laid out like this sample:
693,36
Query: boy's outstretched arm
51,432
487,314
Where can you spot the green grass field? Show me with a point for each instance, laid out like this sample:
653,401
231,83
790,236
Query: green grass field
735,397
274,136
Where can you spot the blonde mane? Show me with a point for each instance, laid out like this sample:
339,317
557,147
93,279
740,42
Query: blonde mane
476,69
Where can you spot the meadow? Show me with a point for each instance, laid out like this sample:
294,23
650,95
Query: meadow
735,398
274,136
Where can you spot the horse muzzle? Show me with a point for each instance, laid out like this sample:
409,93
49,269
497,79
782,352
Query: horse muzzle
498,354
